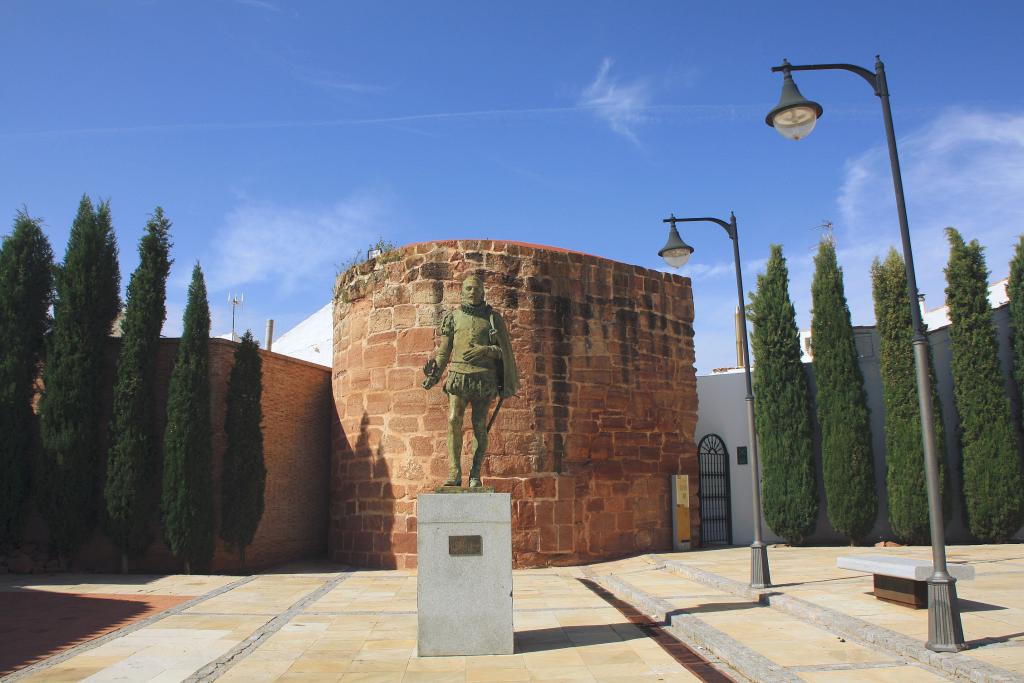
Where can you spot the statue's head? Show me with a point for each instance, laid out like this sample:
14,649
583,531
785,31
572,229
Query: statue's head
472,291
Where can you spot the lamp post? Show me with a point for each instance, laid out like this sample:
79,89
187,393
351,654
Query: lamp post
794,117
676,253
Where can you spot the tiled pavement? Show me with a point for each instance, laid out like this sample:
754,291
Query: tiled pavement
314,624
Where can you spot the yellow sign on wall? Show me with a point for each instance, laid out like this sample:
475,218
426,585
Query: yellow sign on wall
683,490
680,512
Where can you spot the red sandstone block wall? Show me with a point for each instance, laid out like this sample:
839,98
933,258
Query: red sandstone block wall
297,415
605,415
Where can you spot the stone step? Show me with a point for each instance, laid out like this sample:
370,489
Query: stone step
760,643
696,634
956,666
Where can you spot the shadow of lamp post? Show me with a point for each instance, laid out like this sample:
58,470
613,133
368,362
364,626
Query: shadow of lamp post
794,117
676,253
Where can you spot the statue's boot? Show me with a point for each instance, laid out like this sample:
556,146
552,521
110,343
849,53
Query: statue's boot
454,476
474,472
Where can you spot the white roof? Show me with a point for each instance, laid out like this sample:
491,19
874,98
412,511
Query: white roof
311,340
938,318
935,319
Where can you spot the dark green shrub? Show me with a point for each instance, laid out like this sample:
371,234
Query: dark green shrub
904,450
86,304
1015,290
26,292
244,476
133,465
993,484
782,407
843,416
187,502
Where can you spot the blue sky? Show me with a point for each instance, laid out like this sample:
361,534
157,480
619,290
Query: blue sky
281,136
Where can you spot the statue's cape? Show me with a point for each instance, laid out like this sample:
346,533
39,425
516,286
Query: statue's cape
507,368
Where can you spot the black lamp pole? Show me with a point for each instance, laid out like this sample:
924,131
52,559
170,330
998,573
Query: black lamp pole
795,117
676,253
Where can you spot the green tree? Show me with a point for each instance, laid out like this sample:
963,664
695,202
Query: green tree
187,500
1015,290
244,476
783,414
133,467
843,416
86,304
993,483
904,449
26,292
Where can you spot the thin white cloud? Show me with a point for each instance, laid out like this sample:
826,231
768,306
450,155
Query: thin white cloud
707,271
327,80
963,169
690,113
332,83
267,125
710,271
620,105
260,4
263,242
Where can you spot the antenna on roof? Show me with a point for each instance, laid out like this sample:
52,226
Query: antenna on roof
236,304
826,228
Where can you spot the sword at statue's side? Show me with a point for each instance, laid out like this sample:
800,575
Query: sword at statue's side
494,415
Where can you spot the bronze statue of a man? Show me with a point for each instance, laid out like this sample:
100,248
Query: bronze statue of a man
474,339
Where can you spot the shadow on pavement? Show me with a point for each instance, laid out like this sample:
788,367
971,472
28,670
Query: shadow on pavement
36,624
992,640
559,638
804,583
15,582
684,656
709,607
975,606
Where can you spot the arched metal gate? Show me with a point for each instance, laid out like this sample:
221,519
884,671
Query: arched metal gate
715,526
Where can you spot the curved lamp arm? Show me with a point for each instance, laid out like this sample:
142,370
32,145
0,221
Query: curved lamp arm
875,80
730,227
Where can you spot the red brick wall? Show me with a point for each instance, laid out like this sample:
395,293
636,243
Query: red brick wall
606,412
296,443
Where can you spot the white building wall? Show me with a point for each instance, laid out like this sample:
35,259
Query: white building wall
311,340
723,411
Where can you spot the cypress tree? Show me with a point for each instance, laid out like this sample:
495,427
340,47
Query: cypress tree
992,474
244,473
904,449
843,415
1015,291
26,292
783,415
187,500
133,468
86,304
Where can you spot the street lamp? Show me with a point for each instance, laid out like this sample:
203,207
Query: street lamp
794,117
676,253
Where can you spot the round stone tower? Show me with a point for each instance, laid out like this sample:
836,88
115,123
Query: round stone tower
606,410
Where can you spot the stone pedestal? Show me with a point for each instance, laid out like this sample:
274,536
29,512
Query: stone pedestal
464,574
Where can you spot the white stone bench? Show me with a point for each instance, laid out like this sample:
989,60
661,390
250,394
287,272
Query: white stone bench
901,579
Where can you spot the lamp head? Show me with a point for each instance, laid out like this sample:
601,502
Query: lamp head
794,116
676,252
